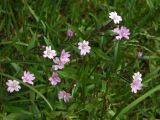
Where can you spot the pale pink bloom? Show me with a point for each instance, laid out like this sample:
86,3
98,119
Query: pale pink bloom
139,54
54,79
116,18
49,53
65,56
28,77
70,33
122,32
137,76
136,85
84,47
13,85
58,64
64,95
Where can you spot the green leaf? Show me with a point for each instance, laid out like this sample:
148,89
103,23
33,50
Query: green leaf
117,55
151,75
32,42
100,53
46,41
68,73
17,110
150,4
33,13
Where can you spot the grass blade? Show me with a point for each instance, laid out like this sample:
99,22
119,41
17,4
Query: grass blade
30,87
135,102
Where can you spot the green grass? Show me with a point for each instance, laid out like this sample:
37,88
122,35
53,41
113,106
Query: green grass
102,78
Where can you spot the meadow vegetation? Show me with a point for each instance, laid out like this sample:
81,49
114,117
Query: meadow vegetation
92,72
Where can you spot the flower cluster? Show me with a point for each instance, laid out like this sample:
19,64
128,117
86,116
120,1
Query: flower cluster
122,32
60,62
64,58
136,83
13,85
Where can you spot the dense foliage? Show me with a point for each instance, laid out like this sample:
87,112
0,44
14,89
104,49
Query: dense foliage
99,82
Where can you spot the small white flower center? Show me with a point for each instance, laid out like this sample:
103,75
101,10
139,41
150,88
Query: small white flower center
26,78
48,52
14,85
83,46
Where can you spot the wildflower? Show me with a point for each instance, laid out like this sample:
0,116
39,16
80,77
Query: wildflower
49,53
13,85
139,54
137,76
116,18
84,47
58,64
70,33
64,95
54,79
122,32
64,56
136,83
28,77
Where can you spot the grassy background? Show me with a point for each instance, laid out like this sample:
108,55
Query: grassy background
102,78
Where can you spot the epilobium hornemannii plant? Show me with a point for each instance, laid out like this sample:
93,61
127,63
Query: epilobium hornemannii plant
84,47
136,84
91,62
13,85
70,33
139,54
122,32
28,77
54,79
59,62
64,58
49,53
63,95
115,17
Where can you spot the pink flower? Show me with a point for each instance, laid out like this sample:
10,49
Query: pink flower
28,77
137,76
136,85
58,64
64,56
54,79
122,32
116,18
70,33
139,54
84,47
13,85
64,95
49,53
